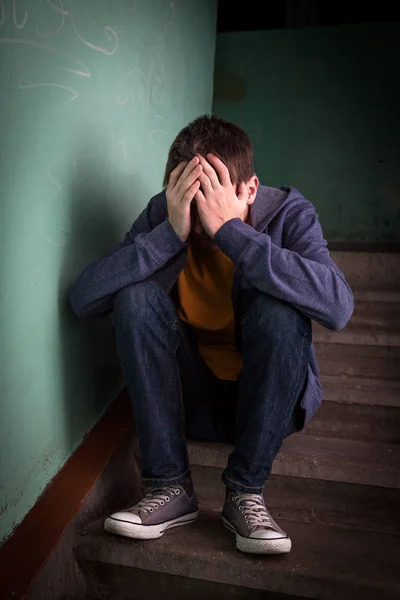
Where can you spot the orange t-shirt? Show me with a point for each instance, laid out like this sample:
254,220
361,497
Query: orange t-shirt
204,288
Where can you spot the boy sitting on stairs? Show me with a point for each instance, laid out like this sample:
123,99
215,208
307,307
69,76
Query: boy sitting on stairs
212,293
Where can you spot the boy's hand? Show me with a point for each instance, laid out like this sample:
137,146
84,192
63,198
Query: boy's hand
182,187
217,202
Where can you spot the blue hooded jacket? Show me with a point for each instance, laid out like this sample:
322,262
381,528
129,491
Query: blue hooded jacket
281,251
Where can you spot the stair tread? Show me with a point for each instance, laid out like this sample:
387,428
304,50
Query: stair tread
352,360
376,295
369,270
322,446
361,390
355,419
325,562
375,321
360,381
328,458
353,450
357,335
375,311
327,503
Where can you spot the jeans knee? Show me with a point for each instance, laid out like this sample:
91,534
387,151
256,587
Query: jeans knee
272,317
138,300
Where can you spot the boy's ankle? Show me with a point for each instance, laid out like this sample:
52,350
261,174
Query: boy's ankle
187,485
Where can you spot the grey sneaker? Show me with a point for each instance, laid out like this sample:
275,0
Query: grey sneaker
247,516
159,510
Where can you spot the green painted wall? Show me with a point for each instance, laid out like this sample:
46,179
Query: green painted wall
92,94
322,109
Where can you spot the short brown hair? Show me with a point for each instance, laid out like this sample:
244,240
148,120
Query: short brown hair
210,133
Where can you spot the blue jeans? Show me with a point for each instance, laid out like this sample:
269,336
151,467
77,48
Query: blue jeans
175,396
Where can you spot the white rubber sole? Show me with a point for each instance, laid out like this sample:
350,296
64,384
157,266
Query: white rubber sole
147,532
254,546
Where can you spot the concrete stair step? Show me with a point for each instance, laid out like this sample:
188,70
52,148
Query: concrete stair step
118,582
372,271
327,563
327,503
354,336
375,321
349,360
361,390
362,408
376,310
363,422
378,296
326,458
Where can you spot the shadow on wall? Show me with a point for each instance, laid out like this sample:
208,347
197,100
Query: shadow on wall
102,209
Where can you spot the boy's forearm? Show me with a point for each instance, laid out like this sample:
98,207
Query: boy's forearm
313,285
137,258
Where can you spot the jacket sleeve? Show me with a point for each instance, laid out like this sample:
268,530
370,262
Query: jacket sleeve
146,248
302,273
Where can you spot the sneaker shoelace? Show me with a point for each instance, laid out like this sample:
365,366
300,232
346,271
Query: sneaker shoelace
156,498
253,510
